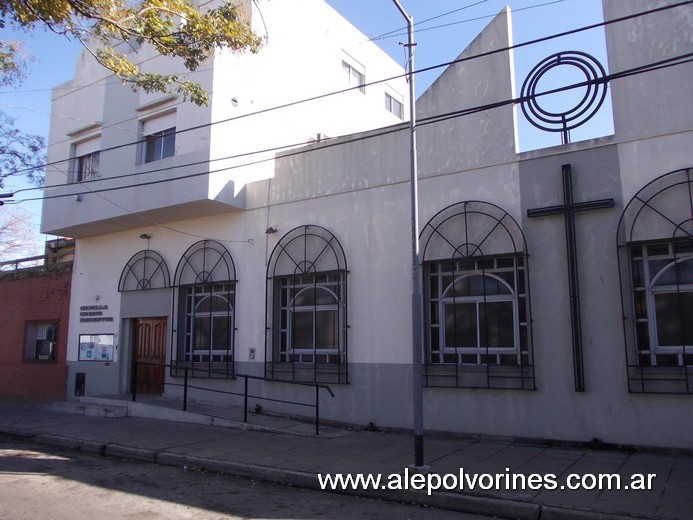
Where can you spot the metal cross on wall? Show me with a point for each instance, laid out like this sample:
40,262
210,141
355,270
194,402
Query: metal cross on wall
569,208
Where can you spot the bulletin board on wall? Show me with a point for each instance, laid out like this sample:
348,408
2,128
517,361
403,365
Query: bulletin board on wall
97,347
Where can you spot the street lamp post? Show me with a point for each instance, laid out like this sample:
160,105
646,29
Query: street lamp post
5,196
417,337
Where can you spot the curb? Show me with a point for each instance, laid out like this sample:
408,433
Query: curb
128,452
68,442
562,513
456,502
489,506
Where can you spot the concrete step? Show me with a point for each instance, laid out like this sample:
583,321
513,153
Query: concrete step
111,410
164,409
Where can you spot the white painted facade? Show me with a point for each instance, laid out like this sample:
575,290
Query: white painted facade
306,44
357,188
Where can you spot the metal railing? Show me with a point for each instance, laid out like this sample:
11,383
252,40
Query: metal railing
186,386
35,262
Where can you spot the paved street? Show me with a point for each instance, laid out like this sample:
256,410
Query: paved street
41,482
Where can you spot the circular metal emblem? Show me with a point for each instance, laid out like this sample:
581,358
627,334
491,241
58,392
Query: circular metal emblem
580,113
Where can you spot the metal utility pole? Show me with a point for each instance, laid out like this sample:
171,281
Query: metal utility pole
416,315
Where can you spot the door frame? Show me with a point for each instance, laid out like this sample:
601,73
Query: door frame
134,342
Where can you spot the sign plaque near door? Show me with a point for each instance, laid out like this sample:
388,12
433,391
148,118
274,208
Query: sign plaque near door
97,347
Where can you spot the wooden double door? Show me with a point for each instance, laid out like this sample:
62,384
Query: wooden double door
149,355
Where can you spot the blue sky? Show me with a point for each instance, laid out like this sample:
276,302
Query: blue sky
443,29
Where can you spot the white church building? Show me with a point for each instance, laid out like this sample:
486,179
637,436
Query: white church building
557,284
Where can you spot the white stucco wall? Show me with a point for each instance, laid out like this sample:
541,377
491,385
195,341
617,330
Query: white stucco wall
290,67
655,102
358,189
306,42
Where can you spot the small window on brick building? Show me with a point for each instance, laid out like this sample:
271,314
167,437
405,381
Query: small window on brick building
40,340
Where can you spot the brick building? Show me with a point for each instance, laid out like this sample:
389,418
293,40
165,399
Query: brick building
34,307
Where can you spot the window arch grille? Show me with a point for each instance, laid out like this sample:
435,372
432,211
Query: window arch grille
205,282
655,247
307,308
145,270
476,299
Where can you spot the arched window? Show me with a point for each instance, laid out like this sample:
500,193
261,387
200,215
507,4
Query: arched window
477,313
306,313
655,240
145,270
206,286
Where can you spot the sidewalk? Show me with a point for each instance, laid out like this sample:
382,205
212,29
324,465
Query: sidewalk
288,452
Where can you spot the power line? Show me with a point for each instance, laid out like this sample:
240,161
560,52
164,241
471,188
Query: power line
59,116
423,121
687,58
433,119
427,69
489,16
177,166
397,33
652,67
87,85
322,96
421,22
375,38
669,62
154,222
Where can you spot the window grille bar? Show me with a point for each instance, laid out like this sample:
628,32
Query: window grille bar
655,235
477,239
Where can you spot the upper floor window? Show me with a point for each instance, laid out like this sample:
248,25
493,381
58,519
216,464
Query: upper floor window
354,77
88,167
478,324
656,259
394,106
159,145
85,165
40,339
158,133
